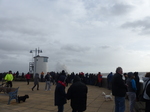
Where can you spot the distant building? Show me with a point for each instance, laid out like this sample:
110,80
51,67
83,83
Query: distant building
40,64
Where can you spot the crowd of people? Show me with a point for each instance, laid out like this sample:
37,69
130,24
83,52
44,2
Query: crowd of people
130,89
121,88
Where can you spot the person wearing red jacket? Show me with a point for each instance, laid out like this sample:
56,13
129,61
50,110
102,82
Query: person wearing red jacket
27,76
99,76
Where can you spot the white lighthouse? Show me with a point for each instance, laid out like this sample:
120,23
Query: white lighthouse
40,64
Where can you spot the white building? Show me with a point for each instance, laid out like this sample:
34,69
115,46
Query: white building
40,64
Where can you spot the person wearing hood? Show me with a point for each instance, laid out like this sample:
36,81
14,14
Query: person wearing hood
77,93
60,94
131,86
146,95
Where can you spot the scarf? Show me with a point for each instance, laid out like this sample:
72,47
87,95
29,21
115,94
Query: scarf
62,83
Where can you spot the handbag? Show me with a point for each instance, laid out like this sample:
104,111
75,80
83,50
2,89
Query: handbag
141,98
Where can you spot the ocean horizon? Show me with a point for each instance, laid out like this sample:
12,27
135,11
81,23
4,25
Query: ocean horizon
140,74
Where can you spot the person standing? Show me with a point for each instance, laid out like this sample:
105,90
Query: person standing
119,90
9,78
60,94
99,76
77,93
137,81
27,76
146,94
17,74
36,81
131,86
109,80
48,81
42,75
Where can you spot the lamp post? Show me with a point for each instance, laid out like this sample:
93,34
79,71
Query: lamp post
37,51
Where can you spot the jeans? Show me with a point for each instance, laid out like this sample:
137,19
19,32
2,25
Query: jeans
60,108
48,85
119,104
132,100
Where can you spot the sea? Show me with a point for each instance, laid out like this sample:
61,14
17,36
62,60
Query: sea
141,74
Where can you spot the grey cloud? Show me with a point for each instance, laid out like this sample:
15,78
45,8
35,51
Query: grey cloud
117,9
75,48
25,26
120,9
11,45
3,56
105,47
142,26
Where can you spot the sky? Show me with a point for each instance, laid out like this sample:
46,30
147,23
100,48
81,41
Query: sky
88,36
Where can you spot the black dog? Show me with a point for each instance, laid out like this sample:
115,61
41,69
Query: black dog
22,98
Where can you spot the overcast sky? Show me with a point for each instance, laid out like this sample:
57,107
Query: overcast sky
77,35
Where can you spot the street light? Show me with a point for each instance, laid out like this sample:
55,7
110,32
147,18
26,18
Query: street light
37,51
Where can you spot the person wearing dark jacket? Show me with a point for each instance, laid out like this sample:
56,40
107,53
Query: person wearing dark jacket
119,90
60,94
77,92
137,81
109,80
146,95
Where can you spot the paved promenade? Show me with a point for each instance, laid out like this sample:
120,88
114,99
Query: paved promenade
43,101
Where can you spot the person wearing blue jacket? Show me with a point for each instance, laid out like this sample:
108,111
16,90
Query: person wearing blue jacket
109,80
131,86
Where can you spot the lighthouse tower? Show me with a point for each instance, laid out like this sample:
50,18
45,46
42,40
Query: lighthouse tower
40,64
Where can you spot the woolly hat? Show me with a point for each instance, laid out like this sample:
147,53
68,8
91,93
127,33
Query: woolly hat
130,75
62,78
76,79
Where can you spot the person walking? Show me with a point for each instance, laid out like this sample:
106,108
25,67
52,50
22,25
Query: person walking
48,81
119,90
77,93
9,78
27,76
60,94
36,81
131,86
